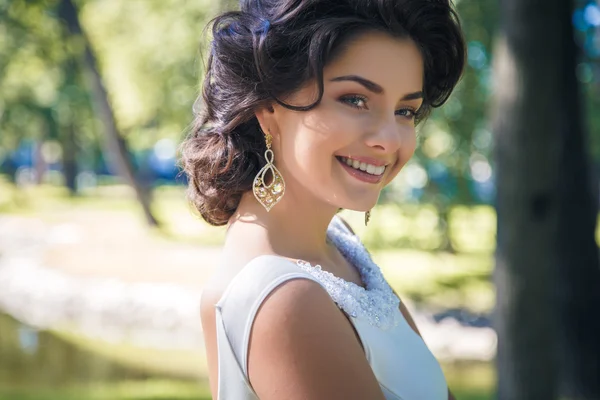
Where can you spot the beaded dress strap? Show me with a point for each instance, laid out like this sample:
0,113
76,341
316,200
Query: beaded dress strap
376,303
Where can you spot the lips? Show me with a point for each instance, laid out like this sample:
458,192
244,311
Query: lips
363,166
359,174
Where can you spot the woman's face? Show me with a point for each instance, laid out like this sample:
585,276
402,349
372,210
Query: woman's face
346,149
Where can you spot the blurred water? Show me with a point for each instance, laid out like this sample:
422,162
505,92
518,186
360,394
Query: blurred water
30,357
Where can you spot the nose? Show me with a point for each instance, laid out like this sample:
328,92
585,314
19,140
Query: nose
388,136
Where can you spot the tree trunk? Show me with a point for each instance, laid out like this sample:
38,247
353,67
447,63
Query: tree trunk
68,134
579,265
39,164
69,158
527,141
444,229
116,148
547,269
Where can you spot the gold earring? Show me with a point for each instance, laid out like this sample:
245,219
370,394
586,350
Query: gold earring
367,217
268,194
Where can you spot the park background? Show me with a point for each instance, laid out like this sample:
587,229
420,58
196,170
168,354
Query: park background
102,260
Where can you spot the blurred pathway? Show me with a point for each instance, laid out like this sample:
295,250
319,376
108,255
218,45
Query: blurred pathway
117,283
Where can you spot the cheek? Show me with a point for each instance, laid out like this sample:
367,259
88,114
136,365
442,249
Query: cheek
307,150
319,135
407,150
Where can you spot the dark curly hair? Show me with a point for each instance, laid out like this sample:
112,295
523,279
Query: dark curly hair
270,48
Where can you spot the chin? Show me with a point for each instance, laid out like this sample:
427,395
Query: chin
360,199
362,206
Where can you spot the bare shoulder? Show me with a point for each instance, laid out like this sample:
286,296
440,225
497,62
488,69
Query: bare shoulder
302,346
212,291
214,288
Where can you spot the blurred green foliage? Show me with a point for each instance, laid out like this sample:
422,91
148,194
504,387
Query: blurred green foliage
151,58
459,131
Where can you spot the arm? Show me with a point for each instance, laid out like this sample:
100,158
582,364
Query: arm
301,347
207,312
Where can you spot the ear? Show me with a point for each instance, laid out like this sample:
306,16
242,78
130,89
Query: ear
266,118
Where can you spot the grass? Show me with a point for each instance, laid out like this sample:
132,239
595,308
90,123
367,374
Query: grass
163,362
471,381
178,221
472,229
440,280
391,226
152,389
467,380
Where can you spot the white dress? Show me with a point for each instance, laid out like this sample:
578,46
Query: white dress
400,360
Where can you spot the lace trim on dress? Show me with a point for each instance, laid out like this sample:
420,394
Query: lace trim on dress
377,303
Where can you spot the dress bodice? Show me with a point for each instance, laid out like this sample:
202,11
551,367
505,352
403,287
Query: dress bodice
400,360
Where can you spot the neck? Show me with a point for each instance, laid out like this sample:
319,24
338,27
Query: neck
296,227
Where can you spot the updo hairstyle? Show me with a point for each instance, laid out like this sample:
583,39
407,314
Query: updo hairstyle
270,49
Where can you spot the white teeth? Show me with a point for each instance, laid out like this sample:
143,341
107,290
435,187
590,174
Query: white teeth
368,168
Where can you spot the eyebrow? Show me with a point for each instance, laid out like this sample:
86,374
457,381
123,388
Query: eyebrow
374,87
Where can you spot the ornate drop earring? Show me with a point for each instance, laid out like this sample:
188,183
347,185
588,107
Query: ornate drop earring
367,217
268,194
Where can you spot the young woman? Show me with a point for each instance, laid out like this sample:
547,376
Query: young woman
310,106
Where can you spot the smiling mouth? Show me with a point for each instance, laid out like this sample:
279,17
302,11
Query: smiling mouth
362,166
